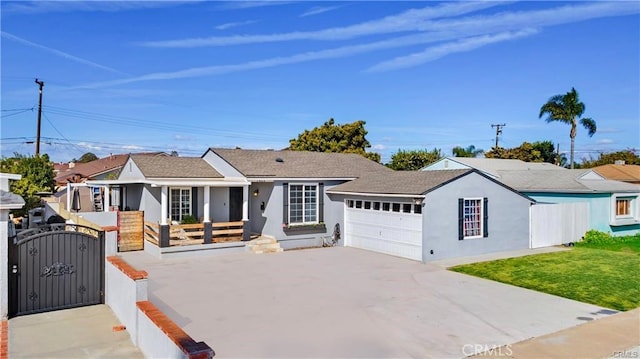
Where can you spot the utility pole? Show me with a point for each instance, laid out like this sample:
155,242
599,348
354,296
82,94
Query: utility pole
41,84
498,131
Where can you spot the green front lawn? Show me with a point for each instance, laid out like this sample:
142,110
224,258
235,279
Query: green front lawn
606,275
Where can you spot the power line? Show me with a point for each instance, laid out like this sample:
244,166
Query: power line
16,113
60,133
498,128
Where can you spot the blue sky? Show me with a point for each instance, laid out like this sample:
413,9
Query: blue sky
125,77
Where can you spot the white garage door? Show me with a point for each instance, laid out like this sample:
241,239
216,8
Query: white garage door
389,232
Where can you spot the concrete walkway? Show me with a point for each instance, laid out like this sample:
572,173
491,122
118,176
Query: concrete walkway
86,332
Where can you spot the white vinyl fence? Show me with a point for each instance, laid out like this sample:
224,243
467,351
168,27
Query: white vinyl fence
558,223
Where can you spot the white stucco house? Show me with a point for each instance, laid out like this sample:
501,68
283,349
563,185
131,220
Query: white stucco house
8,202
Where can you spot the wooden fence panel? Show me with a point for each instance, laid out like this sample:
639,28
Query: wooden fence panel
558,223
130,231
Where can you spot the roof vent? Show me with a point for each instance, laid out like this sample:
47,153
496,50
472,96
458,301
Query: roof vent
279,160
619,162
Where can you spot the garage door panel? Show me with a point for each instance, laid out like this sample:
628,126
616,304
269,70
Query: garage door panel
394,233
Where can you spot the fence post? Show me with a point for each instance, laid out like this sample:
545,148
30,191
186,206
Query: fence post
164,236
208,232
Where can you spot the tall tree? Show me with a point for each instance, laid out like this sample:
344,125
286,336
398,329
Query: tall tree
470,151
568,109
413,160
332,137
37,176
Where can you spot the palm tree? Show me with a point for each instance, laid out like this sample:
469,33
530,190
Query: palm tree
466,152
567,109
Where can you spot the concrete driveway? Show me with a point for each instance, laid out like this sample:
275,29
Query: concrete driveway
346,302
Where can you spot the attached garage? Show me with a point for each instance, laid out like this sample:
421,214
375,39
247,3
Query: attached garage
433,215
384,226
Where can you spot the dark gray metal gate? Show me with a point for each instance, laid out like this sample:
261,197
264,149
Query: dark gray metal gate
57,266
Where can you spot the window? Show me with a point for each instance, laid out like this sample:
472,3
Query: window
406,207
625,210
358,204
350,203
376,206
395,207
180,205
473,218
303,204
386,206
623,207
417,208
367,205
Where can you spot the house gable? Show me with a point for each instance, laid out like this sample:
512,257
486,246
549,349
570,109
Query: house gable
131,171
221,165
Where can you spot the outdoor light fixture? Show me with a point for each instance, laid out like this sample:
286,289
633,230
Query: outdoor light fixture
256,192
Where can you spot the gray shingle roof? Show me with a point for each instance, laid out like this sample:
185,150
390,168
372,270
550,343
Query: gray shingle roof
174,167
400,182
561,181
494,165
299,164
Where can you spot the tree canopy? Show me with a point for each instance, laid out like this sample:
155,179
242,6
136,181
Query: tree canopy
568,109
332,137
413,160
628,156
87,157
37,176
469,151
540,151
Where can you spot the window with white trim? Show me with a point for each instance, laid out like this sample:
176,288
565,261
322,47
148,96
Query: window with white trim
303,203
624,210
472,220
180,203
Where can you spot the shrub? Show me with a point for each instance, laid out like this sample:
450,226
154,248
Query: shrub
189,219
597,237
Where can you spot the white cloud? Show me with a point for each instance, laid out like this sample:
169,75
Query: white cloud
63,54
230,25
410,20
317,10
608,130
34,7
379,147
436,52
605,141
241,4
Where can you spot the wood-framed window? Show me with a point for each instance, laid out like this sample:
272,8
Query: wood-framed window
179,203
623,207
303,203
473,215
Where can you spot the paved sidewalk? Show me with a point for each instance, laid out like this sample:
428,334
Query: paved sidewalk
86,332
617,336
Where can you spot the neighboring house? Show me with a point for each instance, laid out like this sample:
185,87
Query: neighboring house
619,172
613,206
434,215
488,166
8,201
73,176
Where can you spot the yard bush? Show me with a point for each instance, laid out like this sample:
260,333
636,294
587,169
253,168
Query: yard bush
188,219
597,237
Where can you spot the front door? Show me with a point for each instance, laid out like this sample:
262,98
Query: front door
235,204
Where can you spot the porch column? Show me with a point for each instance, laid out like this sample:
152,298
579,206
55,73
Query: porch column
68,197
107,199
207,198
246,230
164,204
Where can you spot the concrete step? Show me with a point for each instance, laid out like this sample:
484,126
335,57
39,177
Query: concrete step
264,241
